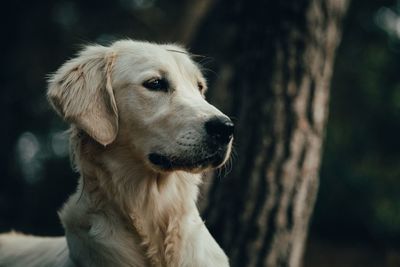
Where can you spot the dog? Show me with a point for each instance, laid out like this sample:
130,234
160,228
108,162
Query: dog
141,135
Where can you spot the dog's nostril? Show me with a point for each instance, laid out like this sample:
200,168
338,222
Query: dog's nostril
220,129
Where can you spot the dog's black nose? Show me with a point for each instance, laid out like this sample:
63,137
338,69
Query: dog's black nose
220,129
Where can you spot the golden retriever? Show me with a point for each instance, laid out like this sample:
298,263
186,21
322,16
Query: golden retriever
141,135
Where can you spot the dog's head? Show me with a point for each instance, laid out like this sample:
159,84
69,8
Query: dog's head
148,97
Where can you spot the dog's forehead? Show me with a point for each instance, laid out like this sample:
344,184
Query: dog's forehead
147,58
184,63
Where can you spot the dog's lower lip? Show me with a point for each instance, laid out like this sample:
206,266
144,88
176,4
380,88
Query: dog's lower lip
159,160
169,163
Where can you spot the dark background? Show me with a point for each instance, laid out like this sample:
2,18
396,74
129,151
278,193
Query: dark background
357,216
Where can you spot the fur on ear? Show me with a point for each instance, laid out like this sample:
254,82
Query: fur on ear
81,92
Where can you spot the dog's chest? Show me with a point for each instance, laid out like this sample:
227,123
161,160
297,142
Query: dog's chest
162,241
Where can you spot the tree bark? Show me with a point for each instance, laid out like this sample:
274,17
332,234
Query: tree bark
276,65
192,14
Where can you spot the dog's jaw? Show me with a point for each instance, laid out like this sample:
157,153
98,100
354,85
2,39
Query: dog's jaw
172,163
199,159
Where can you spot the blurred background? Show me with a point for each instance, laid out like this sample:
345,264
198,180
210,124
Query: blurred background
356,221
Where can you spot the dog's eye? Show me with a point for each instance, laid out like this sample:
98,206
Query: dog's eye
157,84
200,86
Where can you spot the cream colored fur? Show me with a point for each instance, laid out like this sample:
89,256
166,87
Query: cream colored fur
127,212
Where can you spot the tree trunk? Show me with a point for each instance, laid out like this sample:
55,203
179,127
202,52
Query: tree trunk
277,59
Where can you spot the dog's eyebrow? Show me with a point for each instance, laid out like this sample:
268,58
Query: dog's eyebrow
186,53
177,51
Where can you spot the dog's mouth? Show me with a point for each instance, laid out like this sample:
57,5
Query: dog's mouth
170,162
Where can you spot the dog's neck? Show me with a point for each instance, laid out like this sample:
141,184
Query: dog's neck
149,203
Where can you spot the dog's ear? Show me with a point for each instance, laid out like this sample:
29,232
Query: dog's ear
81,92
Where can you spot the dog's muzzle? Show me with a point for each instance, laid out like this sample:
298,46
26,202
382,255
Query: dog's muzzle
215,147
